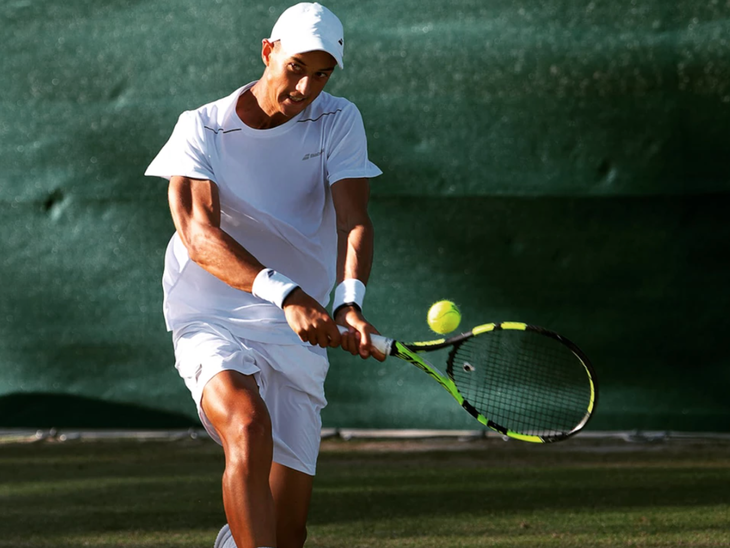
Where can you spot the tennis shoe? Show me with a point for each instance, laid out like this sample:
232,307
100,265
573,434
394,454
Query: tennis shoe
224,538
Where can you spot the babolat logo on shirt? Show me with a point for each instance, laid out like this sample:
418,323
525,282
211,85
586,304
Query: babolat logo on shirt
313,155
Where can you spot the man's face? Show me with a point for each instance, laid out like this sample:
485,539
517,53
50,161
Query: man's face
293,82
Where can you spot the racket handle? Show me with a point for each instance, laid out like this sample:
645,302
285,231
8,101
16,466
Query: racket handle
378,342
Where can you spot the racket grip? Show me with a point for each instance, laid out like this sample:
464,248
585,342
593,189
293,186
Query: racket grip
378,342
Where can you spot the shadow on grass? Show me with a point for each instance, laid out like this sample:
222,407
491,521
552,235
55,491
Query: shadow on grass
46,410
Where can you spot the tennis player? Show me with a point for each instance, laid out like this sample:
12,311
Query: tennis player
268,190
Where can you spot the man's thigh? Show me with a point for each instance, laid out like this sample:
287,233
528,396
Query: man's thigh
289,379
294,402
231,402
202,352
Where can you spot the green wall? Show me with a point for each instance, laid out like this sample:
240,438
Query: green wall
563,163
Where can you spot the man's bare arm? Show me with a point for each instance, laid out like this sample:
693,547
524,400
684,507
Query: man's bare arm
355,245
195,208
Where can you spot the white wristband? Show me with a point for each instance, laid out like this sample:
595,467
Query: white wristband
272,286
349,292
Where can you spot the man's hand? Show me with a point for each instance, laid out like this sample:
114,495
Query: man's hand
310,320
357,340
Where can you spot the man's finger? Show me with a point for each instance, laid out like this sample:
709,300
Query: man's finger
333,335
365,343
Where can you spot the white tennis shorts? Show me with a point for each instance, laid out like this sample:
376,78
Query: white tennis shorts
290,380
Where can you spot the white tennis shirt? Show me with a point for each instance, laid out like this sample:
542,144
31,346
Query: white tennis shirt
275,199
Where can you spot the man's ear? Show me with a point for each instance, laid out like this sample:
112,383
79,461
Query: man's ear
267,49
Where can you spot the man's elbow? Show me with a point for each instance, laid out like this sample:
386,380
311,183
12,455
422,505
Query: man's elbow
361,224
198,242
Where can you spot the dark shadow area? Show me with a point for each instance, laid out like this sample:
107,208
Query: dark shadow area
42,410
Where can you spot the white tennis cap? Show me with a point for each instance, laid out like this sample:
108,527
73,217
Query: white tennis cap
310,27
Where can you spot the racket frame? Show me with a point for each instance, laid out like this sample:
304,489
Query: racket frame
409,352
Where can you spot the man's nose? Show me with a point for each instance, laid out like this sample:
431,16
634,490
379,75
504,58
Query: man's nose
303,86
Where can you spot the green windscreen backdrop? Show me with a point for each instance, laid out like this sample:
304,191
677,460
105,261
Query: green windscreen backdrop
558,162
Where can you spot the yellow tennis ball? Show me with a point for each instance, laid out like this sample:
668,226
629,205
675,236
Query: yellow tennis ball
444,317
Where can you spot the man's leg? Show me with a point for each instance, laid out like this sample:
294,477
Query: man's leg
232,403
292,491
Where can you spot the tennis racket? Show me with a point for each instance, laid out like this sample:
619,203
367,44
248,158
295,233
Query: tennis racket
520,380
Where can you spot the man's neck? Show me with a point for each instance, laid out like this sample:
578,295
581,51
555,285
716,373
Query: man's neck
251,109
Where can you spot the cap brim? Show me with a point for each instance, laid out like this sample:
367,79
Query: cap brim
313,44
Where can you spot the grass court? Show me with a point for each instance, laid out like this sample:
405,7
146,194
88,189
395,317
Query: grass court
377,493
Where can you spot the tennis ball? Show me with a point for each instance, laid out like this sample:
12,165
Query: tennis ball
444,317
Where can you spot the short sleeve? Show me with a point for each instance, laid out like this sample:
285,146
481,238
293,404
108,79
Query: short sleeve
347,154
185,153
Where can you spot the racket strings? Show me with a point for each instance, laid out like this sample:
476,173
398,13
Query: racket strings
524,399
522,380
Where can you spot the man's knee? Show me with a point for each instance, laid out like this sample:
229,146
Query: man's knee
247,438
239,415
